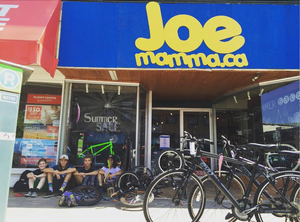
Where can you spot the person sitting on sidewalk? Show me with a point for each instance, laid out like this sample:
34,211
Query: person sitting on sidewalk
59,176
86,170
110,171
37,174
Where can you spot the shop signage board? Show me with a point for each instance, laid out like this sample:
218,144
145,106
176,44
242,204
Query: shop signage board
10,87
170,36
280,107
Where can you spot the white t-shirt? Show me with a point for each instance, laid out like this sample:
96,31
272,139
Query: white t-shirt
112,170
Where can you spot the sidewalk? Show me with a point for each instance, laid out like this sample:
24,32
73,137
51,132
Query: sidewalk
21,209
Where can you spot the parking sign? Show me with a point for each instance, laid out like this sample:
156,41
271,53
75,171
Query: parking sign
10,79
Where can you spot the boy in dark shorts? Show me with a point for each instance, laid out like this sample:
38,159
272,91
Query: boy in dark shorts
36,175
59,176
86,170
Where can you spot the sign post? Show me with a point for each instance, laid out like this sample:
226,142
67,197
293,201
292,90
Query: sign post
11,78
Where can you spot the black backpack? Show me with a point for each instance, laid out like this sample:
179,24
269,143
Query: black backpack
22,184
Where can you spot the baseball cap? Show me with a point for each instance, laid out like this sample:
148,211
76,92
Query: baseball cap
64,156
110,156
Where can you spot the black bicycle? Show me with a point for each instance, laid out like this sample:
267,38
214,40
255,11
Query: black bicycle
179,195
132,186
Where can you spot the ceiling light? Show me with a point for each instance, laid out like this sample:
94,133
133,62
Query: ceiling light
235,100
261,91
87,88
256,76
113,75
102,89
248,94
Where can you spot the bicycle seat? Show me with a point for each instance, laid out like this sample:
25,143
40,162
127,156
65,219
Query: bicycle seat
264,147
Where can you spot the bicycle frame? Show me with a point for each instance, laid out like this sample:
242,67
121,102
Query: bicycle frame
106,145
203,166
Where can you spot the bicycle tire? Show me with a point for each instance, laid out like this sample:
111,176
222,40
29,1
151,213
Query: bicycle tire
128,180
282,161
165,206
134,199
287,180
169,159
87,195
295,197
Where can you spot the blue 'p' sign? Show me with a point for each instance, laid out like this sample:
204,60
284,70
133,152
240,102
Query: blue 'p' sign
9,78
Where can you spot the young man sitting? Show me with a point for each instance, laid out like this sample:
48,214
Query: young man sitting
86,170
109,172
59,176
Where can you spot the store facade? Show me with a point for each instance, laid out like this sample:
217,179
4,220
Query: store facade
139,74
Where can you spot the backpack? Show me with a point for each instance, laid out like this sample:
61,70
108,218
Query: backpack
22,184
67,199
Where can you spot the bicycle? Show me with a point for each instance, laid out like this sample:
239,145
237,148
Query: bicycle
282,157
285,157
88,193
91,148
131,186
182,192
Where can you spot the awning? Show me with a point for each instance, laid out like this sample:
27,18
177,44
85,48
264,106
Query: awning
28,32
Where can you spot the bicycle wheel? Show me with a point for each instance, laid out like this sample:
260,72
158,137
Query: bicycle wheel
142,170
295,197
134,199
128,180
284,160
170,201
145,176
169,159
273,206
215,200
87,195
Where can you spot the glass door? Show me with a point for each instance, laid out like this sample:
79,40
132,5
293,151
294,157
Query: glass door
199,124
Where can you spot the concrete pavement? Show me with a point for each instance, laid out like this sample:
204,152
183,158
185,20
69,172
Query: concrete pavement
21,209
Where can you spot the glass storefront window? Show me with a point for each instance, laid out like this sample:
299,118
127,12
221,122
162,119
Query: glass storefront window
100,114
38,124
165,127
268,115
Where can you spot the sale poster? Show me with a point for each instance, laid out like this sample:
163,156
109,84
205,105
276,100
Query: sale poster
42,114
33,112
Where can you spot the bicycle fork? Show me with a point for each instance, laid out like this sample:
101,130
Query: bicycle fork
177,199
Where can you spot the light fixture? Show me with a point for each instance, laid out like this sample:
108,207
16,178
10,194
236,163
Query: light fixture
235,100
113,75
261,91
256,76
248,94
119,90
102,89
87,88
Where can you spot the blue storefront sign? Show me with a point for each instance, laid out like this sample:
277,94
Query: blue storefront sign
153,35
281,106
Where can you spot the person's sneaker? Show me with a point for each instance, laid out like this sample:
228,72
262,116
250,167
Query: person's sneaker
49,194
34,194
28,194
60,193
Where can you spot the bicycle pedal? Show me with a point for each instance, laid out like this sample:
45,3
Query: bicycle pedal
229,216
